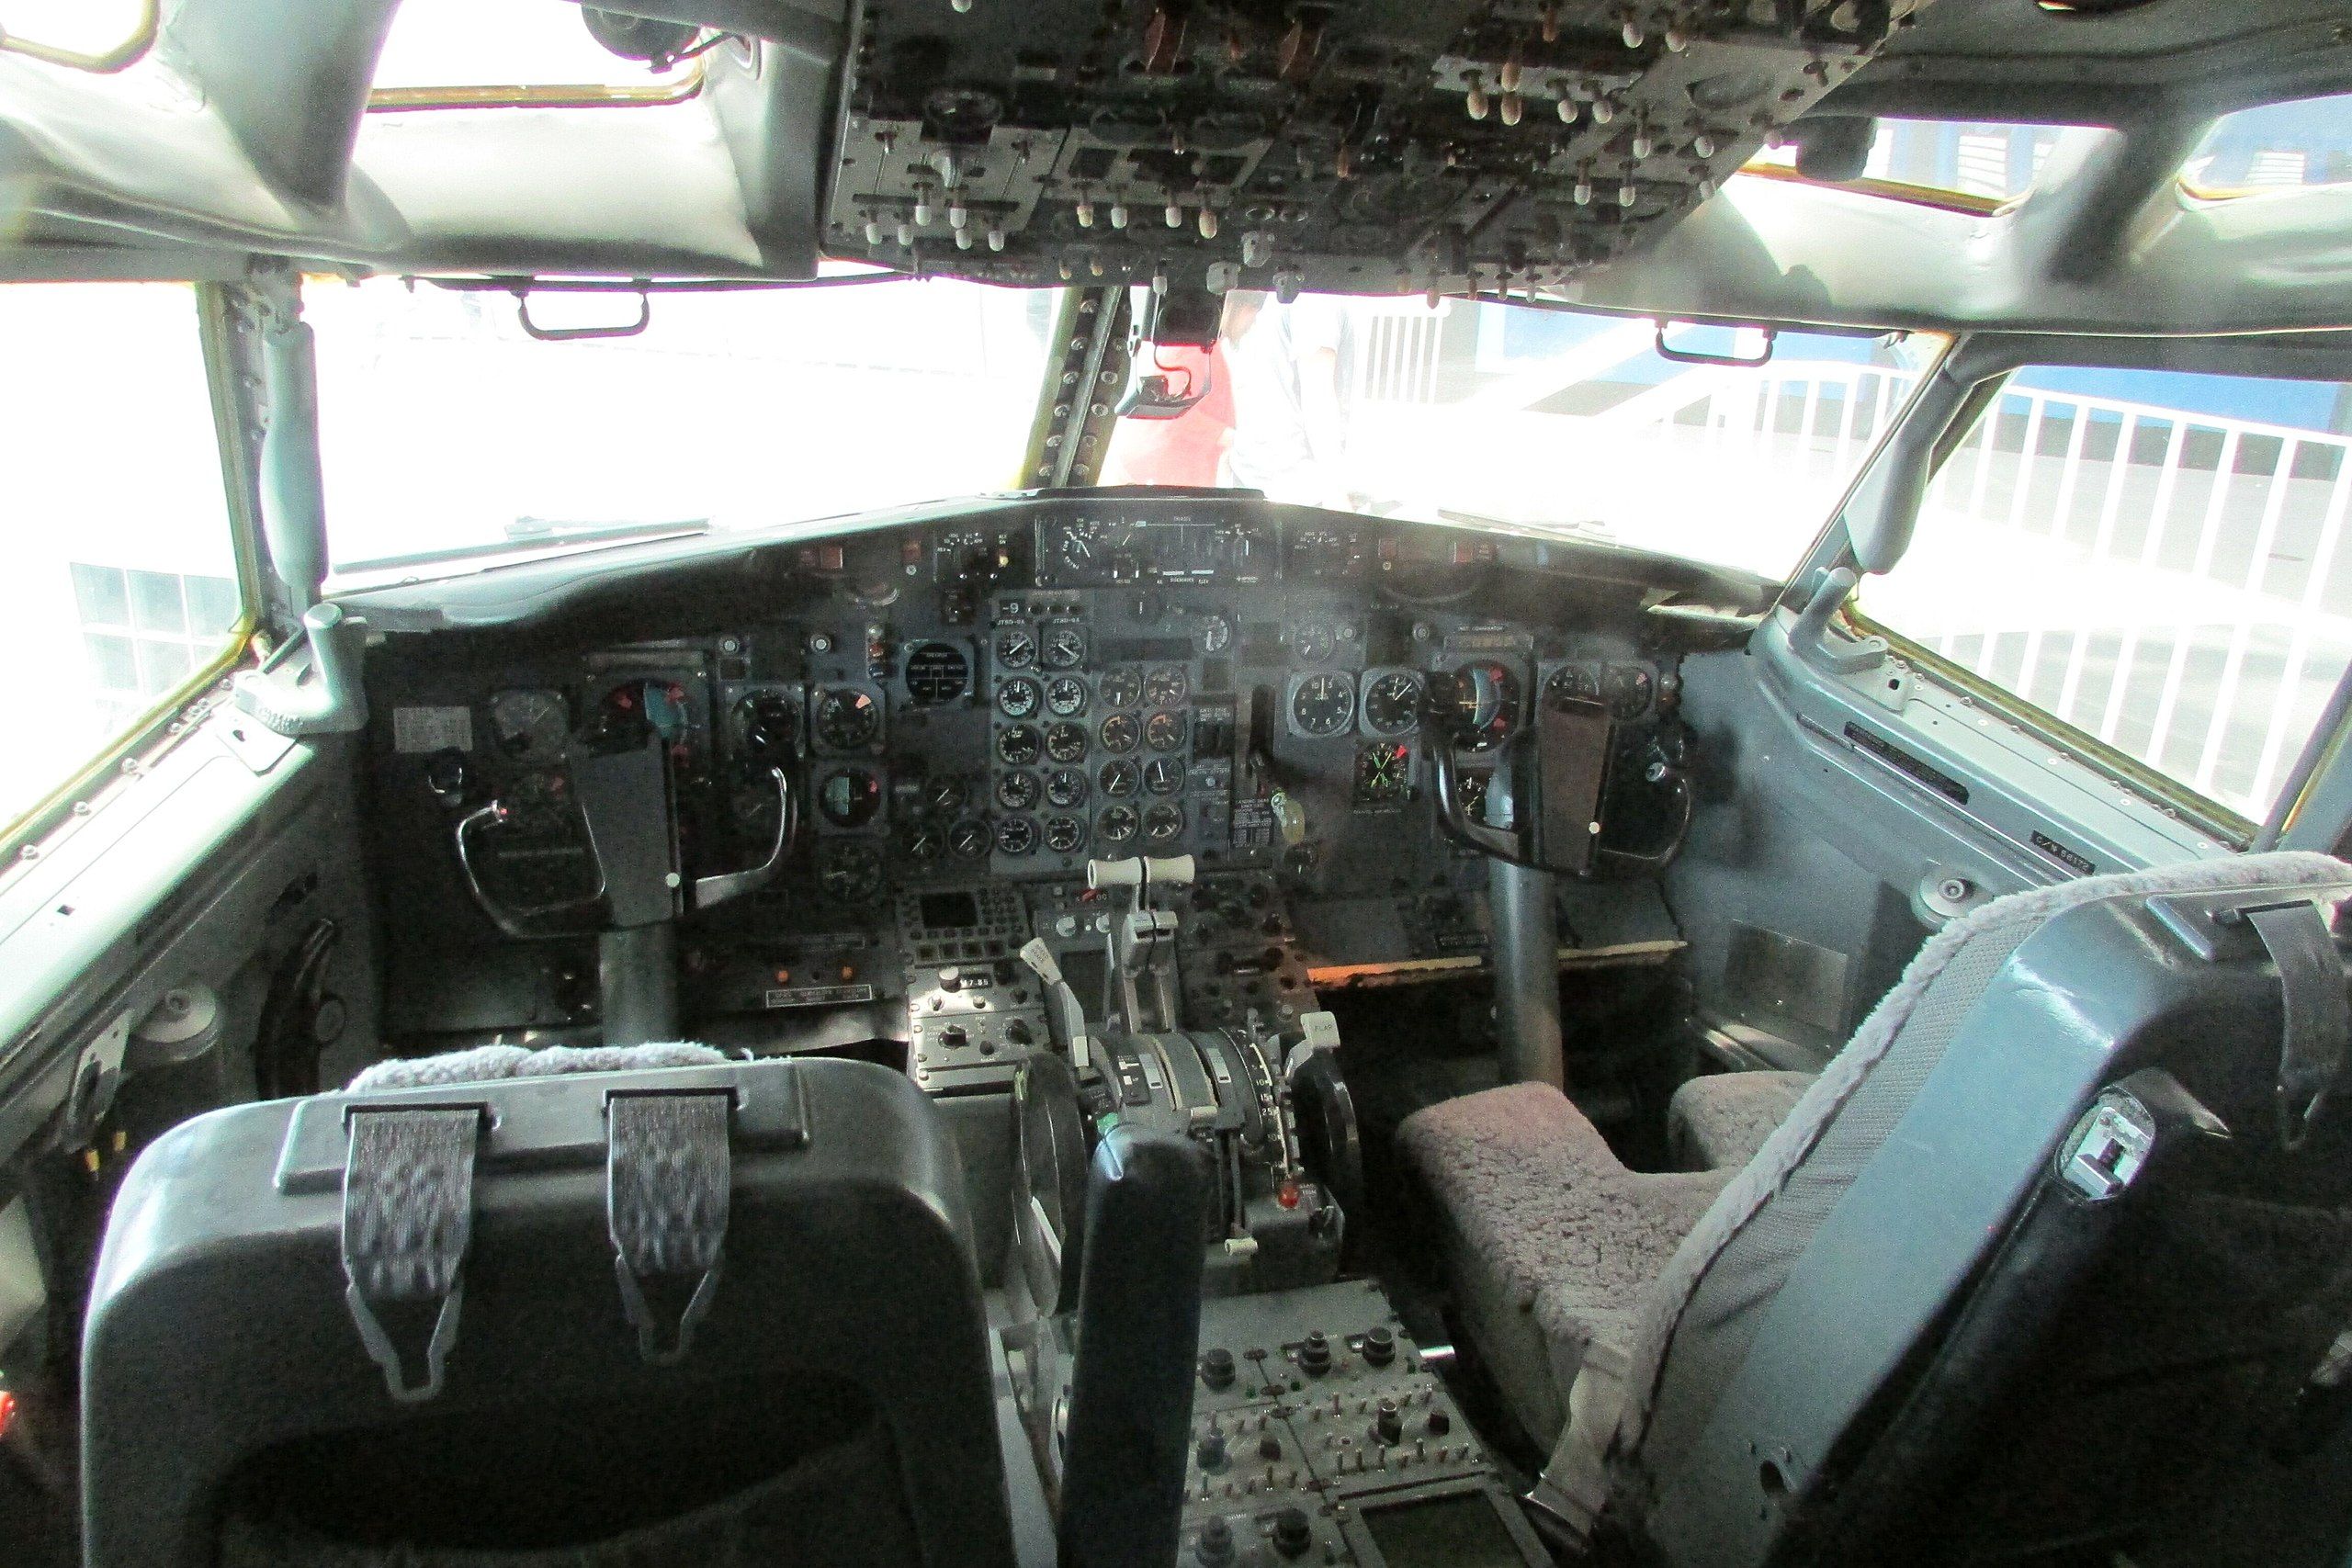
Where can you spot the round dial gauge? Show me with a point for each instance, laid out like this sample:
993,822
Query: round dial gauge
1019,698
1470,789
1063,647
1314,643
923,843
1483,708
1117,780
1066,696
1392,702
1573,682
1066,743
1323,705
1384,773
530,724
768,723
1122,689
851,873
1064,834
1628,687
849,797
1164,822
847,719
1163,775
635,710
937,673
1165,687
1065,787
1217,632
1117,825
1017,791
1019,745
1082,544
1120,732
1164,732
1016,649
946,796
1016,835
968,839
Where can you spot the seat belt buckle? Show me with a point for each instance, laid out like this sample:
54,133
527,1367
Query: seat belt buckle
668,1182
407,1225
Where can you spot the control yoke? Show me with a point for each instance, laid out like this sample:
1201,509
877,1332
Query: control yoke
624,803
1541,807
626,806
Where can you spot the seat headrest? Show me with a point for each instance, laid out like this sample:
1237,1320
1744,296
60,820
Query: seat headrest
486,1064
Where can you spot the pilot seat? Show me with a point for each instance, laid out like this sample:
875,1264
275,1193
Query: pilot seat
689,1311
2051,1254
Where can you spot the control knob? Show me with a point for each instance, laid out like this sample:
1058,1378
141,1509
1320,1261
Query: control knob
1292,1534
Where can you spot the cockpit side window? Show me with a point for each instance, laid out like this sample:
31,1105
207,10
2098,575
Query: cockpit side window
121,594
2155,559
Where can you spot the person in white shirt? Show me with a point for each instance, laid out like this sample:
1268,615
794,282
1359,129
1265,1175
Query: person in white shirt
1290,366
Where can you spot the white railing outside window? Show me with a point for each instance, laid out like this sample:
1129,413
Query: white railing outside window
2171,582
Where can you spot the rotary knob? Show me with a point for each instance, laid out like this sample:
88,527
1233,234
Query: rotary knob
1216,1368
1292,1533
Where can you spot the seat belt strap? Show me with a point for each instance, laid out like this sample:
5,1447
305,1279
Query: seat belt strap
2316,1017
408,1199
668,1179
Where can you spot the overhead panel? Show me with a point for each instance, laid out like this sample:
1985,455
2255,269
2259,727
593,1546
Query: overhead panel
1381,145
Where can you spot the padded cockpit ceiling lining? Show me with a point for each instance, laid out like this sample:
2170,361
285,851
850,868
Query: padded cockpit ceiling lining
240,135
2012,60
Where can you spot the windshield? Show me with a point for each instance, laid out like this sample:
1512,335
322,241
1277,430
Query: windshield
1533,416
447,430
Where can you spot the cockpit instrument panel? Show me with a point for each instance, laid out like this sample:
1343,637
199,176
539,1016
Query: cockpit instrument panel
996,699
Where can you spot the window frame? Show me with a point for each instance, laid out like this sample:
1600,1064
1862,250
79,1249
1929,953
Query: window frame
170,717
1986,364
